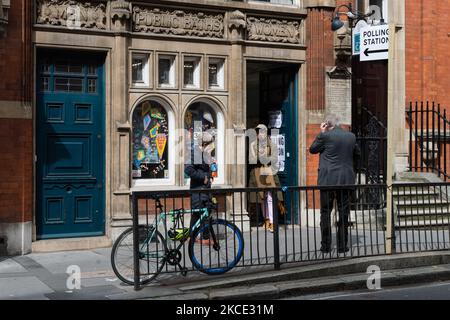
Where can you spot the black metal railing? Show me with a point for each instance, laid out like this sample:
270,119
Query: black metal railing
429,139
296,235
371,136
421,215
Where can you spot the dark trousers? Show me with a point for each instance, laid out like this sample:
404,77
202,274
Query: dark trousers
199,201
327,198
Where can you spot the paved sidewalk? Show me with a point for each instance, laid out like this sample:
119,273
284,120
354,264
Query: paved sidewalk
44,276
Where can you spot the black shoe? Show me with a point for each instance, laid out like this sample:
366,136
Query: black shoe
342,250
325,249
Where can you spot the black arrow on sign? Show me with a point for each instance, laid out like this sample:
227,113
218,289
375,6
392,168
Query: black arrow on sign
367,51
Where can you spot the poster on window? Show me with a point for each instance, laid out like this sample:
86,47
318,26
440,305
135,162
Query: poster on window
150,136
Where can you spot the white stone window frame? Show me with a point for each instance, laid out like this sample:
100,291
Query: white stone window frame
152,183
295,3
172,72
384,12
146,71
222,74
220,147
197,71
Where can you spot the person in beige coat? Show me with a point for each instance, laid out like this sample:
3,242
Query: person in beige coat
263,176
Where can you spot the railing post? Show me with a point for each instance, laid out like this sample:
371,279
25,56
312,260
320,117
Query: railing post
276,234
135,214
391,144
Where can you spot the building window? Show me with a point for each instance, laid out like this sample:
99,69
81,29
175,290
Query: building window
277,1
92,85
200,117
139,70
68,84
45,84
191,72
381,11
150,142
166,71
216,73
68,67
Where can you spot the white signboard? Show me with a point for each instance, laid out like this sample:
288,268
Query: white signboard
374,43
356,37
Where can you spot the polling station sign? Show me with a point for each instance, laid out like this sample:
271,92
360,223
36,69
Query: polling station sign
374,43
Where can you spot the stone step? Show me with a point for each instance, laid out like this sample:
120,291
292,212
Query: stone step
422,202
416,192
423,196
418,223
422,213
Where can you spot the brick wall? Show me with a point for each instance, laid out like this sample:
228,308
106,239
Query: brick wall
319,55
16,137
15,170
427,51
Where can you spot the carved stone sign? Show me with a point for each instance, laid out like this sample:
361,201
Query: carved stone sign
273,30
71,14
177,22
339,97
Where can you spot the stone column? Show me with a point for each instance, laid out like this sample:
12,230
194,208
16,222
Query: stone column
396,89
237,116
236,111
120,135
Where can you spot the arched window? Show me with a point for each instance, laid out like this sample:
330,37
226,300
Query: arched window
150,142
202,117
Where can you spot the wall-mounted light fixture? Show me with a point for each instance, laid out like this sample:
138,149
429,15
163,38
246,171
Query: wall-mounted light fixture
351,15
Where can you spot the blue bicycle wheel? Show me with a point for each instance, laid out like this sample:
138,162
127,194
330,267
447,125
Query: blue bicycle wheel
216,247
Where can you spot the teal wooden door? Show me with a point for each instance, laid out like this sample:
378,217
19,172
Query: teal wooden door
279,97
70,145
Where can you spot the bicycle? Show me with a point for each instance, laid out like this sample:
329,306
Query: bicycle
155,249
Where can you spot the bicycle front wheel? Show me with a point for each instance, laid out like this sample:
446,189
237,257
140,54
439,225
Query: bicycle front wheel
152,255
220,256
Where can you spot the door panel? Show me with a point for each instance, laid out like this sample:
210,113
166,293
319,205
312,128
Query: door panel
70,146
278,94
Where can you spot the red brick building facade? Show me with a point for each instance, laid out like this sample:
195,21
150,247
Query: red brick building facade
427,76
428,51
16,127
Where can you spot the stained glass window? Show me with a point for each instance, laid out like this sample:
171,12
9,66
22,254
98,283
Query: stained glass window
150,141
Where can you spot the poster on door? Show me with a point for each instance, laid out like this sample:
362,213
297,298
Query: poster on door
280,142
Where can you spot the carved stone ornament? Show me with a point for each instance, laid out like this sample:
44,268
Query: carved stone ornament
71,14
237,20
339,73
273,30
120,13
177,22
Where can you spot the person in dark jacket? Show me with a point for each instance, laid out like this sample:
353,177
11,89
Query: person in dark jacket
199,171
338,151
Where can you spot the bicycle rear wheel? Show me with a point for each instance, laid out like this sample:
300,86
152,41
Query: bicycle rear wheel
152,255
220,258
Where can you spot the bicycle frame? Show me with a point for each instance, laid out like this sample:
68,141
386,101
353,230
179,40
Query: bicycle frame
163,217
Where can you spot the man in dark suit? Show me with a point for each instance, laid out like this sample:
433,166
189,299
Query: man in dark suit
338,151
